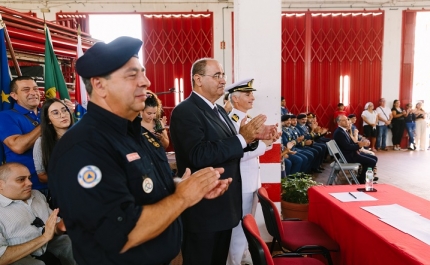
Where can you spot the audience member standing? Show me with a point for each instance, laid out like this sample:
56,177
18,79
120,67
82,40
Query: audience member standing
410,126
203,135
284,109
242,98
421,126
340,111
19,126
152,123
384,120
56,119
119,205
370,119
398,122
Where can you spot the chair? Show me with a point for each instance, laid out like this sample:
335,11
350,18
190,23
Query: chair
260,253
297,236
340,165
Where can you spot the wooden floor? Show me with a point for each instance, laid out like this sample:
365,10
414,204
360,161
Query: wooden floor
408,170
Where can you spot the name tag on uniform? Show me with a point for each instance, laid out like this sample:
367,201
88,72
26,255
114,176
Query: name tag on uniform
133,156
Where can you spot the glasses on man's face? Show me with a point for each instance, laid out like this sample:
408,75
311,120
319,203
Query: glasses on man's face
217,76
39,223
56,114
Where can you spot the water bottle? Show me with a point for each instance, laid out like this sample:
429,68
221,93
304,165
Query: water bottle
369,179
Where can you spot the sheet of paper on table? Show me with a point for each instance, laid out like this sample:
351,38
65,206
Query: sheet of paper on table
403,219
347,197
390,211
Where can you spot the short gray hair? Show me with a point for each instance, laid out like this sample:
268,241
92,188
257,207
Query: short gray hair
236,94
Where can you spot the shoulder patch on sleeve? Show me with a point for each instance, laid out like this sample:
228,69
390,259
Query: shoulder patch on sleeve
234,117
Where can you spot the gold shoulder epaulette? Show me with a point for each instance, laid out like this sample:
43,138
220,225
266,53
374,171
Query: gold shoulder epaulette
234,117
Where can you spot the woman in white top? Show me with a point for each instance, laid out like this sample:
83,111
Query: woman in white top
420,126
370,119
56,119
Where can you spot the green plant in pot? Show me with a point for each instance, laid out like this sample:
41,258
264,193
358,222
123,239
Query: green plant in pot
294,194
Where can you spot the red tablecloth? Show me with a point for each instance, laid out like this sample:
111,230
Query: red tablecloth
363,239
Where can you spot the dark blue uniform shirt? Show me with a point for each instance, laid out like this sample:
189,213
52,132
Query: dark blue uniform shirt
96,175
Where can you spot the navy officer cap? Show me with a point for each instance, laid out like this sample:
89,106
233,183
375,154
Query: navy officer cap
301,116
104,58
241,86
285,117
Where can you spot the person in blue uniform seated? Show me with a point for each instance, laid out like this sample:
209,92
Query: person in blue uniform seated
242,98
203,135
118,207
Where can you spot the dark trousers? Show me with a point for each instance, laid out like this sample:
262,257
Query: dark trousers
208,248
366,161
309,158
397,130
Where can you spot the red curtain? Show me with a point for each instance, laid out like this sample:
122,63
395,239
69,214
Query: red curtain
171,43
331,45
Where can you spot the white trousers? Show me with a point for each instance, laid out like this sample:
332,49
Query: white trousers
420,129
238,243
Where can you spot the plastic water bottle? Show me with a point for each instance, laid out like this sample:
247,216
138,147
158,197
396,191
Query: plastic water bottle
369,179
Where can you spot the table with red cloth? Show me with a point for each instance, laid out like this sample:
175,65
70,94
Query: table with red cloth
362,237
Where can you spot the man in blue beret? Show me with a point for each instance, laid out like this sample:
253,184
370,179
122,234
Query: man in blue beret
118,205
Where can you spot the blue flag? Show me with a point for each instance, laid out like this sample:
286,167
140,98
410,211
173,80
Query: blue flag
6,99
80,91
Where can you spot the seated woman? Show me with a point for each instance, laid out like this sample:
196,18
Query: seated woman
56,119
152,124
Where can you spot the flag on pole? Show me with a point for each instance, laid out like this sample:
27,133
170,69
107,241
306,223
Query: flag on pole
6,99
55,86
80,91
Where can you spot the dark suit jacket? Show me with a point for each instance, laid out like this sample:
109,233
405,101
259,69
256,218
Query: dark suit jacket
201,139
346,145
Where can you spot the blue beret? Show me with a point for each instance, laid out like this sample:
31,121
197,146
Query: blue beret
241,86
104,58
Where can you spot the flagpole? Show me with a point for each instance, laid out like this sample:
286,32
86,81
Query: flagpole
11,50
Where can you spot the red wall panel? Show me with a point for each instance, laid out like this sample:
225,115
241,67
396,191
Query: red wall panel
171,43
341,43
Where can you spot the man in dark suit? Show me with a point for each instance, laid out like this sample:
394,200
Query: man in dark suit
203,135
350,149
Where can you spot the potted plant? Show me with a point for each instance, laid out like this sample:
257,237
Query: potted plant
294,194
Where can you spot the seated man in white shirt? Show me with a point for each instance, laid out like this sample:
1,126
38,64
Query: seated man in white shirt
27,225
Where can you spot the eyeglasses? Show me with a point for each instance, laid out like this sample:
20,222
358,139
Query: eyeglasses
56,114
39,223
217,76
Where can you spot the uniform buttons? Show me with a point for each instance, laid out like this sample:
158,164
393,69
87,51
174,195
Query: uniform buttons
119,218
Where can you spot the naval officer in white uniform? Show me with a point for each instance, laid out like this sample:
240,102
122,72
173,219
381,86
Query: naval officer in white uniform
242,98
